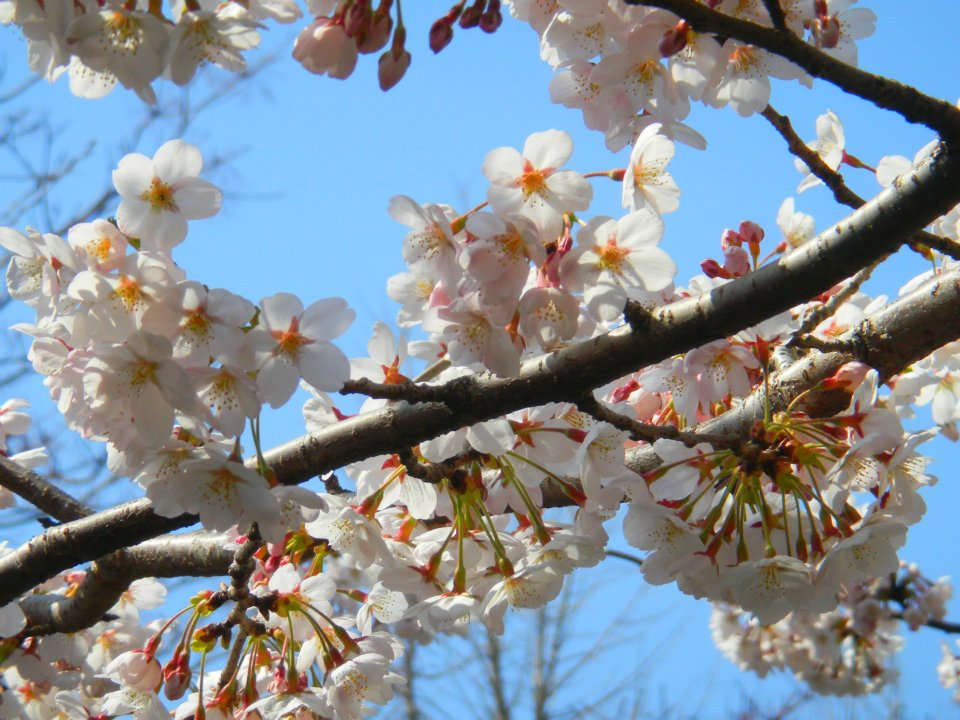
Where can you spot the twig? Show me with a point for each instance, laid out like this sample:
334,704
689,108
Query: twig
817,343
40,493
834,181
625,556
820,313
777,17
240,571
907,101
434,473
645,431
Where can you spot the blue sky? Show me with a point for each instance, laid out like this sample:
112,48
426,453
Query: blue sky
315,161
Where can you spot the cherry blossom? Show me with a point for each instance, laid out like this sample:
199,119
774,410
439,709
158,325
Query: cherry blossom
160,195
530,184
291,342
646,181
617,260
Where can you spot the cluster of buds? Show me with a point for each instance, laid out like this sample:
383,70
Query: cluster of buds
484,14
331,44
736,261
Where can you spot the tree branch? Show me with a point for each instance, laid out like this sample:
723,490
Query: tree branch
40,493
834,181
195,555
871,232
899,334
907,101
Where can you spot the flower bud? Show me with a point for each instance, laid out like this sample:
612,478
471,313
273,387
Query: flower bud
471,16
712,269
730,238
137,669
378,33
736,261
392,67
750,232
674,40
441,33
176,677
357,19
492,18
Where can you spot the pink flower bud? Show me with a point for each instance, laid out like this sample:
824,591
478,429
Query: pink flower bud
730,238
848,377
324,48
674,40
441,33
736,261
176,677
392,67
712,269
357,19
750,232
377,34
137,669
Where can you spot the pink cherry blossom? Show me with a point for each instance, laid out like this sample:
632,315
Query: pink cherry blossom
616,260
530,184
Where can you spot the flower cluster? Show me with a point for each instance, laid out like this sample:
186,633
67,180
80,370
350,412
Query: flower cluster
626,66
164,369
798,517
847,651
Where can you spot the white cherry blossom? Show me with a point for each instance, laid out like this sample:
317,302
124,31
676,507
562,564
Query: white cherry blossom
159,195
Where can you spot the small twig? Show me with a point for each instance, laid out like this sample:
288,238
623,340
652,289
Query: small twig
409,391
816,343
240,571
625,556
40,493
645,431
434,473
777,16
820,313
834,181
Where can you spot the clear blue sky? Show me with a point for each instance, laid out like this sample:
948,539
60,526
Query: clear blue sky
316,161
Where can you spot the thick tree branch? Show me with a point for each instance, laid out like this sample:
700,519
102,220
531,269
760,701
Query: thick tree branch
871,232
901,333
195,555
907,101
81,540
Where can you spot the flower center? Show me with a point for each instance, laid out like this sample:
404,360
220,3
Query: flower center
290,341
160,196
611,257
128,292
100,249
142,373
533,181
